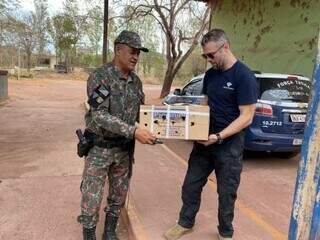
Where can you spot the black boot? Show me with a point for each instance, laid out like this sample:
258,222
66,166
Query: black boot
110,226
89,233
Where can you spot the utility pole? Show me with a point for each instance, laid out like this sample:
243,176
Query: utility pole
305,216
105,32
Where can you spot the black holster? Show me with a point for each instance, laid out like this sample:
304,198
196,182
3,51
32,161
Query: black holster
85,143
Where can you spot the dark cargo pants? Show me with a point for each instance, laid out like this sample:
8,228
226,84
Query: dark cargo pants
226,160
99,164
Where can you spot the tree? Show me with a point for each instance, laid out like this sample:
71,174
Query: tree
6,7
65,35
41,25
3,8
66,30
3,21
25,31
182,22
6,10
95,28
148,30
53,35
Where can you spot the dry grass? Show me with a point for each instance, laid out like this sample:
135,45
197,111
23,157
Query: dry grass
150,80
76,75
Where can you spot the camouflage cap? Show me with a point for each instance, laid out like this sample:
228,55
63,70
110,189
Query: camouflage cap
132,39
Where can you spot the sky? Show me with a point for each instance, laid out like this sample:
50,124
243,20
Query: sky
54,5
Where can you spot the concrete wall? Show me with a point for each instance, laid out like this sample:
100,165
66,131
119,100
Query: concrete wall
272,36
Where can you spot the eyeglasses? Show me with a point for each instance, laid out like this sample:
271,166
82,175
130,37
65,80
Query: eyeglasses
212,54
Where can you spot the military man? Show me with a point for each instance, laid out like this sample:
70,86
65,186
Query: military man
114,95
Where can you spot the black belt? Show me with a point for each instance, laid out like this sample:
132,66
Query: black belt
125,145
106,142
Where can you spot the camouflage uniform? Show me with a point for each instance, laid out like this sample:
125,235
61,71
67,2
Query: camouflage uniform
115,117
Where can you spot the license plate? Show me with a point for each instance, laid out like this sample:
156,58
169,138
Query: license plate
298,117
297,141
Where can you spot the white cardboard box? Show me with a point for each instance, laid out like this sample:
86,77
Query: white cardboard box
176,122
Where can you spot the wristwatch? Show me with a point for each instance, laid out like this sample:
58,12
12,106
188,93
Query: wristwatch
220,140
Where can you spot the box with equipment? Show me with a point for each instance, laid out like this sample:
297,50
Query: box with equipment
176,122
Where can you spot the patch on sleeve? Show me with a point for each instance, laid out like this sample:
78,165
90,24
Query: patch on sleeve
99,95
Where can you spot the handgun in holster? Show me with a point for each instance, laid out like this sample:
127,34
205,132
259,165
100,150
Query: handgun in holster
84,145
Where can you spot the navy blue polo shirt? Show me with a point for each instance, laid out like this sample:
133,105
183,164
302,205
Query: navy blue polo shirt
226,90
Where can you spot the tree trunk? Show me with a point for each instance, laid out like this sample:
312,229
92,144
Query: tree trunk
67,60
1,56
28,61
168,79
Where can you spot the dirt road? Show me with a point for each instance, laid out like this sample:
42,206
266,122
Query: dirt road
266,191
38,164
40,172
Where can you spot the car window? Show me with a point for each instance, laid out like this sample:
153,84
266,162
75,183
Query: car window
193,89
289,90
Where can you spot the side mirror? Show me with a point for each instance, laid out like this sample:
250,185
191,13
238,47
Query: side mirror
177,92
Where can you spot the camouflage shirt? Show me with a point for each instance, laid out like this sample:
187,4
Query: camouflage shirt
117,114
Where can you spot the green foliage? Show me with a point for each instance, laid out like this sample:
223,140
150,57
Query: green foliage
152,64
65,34
24,73
94,28
6,13
41,21
89,60
193,66
65,31
77,37
23,31
2,7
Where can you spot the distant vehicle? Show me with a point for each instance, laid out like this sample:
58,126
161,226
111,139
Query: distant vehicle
62,68
279,121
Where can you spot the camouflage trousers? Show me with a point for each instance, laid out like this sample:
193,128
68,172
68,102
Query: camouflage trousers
99,164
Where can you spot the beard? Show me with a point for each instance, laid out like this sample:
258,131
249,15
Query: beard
217,66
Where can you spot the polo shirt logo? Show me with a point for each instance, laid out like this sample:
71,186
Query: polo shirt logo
229,84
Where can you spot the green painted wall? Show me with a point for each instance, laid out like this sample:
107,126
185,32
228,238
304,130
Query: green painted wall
273,35
3,87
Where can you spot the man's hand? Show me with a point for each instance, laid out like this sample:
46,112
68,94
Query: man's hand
144,136
211,140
